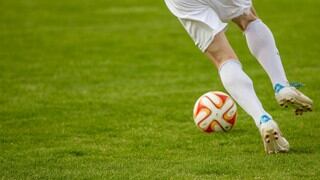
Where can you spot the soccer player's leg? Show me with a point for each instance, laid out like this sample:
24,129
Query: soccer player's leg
205,26
240,87
262,45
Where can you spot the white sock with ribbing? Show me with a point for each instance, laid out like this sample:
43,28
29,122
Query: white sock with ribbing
262,45
240,87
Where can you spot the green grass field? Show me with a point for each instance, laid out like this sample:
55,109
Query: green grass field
104,89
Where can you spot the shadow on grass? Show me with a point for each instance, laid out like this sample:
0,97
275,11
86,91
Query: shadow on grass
237,131
301,150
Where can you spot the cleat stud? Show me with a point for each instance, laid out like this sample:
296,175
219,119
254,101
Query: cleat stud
267,136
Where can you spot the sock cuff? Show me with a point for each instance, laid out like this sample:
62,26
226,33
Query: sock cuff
252,23
230,61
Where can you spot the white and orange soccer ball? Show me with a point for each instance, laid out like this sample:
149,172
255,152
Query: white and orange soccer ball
215,111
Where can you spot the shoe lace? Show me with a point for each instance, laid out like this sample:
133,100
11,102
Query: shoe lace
297,85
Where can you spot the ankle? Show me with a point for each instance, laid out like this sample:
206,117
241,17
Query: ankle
265,118
278,87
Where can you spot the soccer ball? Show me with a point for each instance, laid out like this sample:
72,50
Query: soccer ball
215,111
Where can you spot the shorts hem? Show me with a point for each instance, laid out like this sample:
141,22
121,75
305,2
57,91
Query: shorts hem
239,13
211,39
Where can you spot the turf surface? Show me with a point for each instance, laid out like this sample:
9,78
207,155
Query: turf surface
105,90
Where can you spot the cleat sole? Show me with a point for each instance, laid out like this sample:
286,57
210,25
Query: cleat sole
271,137
299,106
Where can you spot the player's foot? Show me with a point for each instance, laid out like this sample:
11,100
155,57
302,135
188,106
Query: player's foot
272,138
290,96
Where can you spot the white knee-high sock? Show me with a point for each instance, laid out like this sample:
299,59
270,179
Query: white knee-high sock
262,45
240,87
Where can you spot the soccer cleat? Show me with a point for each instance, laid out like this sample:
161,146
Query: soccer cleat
272,138
290,96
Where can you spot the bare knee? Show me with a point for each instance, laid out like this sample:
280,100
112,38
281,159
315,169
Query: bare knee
220,50
245,19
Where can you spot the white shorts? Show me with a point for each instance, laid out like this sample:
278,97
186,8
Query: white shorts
203,19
